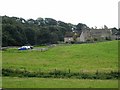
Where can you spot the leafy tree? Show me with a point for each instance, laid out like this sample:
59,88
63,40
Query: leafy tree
18,31
80,27
50,21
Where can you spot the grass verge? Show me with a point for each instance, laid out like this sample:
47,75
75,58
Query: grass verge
15,82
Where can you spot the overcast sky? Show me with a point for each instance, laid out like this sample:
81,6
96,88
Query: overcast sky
90,12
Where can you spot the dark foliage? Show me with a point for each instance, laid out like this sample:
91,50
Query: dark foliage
60,74
18,31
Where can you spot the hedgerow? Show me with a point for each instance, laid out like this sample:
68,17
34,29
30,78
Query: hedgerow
60,74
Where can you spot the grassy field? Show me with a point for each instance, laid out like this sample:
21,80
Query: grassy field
101,56
15,82
86,57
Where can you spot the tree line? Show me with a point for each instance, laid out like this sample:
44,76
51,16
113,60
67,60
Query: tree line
18,31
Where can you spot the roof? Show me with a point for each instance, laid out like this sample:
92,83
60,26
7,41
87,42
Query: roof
71,34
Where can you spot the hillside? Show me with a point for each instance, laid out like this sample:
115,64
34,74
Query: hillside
101,56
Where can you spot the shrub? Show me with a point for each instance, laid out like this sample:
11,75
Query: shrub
59,74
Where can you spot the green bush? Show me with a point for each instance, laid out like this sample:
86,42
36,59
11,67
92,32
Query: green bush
59,74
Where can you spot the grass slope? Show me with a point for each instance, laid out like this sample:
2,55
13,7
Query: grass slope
101,56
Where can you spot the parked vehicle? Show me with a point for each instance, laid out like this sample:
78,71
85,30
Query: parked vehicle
25,47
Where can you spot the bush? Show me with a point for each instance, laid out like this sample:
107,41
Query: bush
60,74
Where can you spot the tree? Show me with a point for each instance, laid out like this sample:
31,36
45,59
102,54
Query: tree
40,21
50,21
30,36
18,31
81,27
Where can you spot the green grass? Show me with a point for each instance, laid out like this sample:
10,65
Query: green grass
15,82
101,56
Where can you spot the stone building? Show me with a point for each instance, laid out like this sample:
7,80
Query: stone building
72,37
97,35
90,35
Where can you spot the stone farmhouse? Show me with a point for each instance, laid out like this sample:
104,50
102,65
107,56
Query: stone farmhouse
97,35
71,37
91,35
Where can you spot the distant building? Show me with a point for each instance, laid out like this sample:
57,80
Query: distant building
72,37
90,35
68,37
85,36
97,35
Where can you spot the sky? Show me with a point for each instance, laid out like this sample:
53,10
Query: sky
90,12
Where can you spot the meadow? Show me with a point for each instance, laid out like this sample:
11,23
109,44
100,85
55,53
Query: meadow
86,57
15,82
102,57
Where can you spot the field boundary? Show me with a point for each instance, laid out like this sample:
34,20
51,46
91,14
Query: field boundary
60,74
